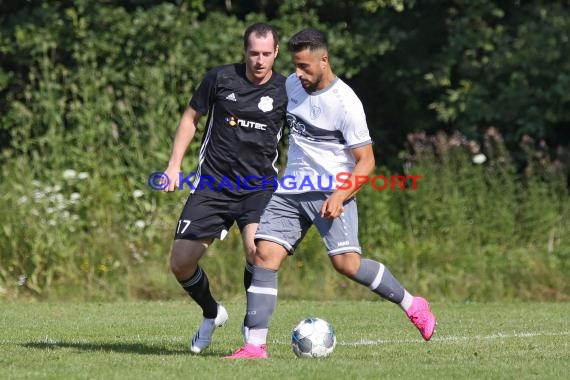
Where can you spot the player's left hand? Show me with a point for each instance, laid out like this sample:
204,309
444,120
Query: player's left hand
332,207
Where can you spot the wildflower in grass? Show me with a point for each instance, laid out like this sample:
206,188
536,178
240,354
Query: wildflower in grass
69,174
140,224
74,198
56,198
138,193
22,279
479,159
83,175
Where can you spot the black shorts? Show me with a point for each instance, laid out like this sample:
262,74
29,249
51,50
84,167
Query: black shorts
205,216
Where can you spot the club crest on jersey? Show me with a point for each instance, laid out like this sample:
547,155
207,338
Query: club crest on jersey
265,103
315,112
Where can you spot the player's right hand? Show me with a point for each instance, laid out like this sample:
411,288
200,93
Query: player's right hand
171,179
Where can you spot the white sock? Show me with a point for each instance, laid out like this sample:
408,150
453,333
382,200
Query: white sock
406,301
257,337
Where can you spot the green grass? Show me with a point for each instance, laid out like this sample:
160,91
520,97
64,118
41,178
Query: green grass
148,340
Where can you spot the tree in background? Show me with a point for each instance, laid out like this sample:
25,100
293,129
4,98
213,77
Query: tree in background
419,65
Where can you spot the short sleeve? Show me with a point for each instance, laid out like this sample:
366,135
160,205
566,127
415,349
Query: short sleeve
354,128
205,95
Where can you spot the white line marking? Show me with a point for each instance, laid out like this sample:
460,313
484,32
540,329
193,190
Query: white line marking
452,339
365,342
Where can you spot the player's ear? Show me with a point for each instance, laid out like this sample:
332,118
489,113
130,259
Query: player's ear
324,60
276,51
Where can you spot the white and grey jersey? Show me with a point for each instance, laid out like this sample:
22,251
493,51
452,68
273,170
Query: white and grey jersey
324,126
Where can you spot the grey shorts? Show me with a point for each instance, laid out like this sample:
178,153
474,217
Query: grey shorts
287,219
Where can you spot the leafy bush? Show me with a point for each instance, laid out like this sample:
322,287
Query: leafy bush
91,95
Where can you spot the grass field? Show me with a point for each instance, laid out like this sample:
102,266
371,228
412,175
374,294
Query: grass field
148,340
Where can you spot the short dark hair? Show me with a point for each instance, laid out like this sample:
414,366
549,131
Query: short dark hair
260,29
310,38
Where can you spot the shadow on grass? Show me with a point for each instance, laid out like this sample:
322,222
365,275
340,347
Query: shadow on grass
131,348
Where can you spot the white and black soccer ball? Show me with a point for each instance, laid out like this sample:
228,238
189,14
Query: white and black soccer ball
313,338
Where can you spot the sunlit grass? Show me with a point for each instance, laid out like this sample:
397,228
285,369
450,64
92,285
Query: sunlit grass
375,340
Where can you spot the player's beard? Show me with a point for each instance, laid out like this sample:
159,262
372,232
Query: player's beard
312,86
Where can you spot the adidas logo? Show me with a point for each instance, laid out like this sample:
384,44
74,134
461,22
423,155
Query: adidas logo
231,97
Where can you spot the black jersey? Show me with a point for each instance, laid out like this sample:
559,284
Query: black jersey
244,125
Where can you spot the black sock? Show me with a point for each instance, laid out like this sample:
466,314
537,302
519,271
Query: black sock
198,288
247,275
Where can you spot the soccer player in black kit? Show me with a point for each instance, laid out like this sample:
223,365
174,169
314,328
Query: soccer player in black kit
235,177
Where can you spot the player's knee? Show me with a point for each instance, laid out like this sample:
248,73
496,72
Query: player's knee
347,271
177,267
269,255
262,257
182,270
346,264
181,264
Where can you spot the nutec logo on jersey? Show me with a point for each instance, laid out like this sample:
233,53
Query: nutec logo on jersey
231,120
265,103
234,121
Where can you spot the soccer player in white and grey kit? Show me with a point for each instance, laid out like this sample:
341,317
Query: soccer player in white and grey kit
328,135
246,105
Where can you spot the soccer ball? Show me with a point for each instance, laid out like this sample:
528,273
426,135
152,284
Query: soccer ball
313,338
